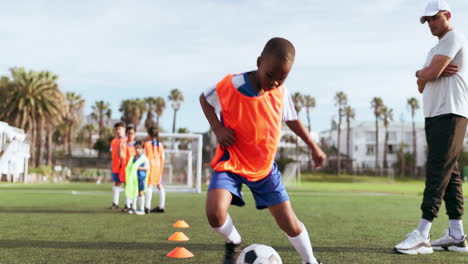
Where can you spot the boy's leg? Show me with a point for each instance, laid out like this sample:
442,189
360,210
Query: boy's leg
217,204
162,200
162,197
149,196
115,191
141,201
295,230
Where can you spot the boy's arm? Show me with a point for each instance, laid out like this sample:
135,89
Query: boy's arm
224,135
122,149
317,154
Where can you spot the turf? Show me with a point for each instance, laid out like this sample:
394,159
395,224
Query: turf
68,223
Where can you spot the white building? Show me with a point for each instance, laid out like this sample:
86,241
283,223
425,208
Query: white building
363,147
14,153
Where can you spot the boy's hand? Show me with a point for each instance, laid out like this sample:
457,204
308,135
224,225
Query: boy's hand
318,156
450,70
225,136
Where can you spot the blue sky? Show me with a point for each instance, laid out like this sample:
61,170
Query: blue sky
115,50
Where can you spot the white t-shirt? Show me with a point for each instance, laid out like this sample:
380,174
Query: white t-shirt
448,95
238,80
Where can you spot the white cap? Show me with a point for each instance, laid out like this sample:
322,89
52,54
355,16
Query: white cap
433,7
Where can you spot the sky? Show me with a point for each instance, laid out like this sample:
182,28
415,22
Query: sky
113,50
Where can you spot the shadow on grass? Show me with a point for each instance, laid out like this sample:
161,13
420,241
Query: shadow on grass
20,210
102,245
161,246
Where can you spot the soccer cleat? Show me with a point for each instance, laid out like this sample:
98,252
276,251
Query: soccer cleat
449,243
147,211
231,253
114,206
414,244
140,212
126,209
157,210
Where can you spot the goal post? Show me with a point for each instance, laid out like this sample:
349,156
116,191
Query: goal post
183,161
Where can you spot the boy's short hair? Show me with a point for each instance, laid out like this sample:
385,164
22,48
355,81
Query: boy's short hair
281,48
138,143
119,124
129,127
153,131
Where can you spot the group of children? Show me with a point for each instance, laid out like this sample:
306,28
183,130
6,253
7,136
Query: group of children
139,167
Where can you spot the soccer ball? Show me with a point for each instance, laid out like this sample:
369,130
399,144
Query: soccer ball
259,254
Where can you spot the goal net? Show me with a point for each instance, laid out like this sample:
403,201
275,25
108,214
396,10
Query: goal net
292,173
183,163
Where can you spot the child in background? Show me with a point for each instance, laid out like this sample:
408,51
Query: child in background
136,171
129,152
117,147
155,153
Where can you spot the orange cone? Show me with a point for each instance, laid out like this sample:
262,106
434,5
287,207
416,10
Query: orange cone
181,224
179,252
178,236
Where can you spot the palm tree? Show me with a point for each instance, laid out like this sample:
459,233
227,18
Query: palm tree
101,111
132,111
341,100
309,102
183,142
298,100
33,98
73,116
160,105
413,104
51,118
377,105
177,98
387,114
88,131
350,114
150,107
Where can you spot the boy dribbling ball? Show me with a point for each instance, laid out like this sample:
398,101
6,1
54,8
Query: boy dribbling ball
251,107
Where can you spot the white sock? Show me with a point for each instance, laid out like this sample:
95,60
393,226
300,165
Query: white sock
149,196
425,227
134,204
228,231
456,229
129,202
116,192
162,197
302,244
142,202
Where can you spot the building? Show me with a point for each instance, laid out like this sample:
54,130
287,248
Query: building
363,142
14,153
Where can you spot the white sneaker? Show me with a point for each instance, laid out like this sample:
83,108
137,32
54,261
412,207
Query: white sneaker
449,243
414,244
140,212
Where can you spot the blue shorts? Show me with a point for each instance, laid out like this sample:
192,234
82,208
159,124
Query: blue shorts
141,184
266,192
115,177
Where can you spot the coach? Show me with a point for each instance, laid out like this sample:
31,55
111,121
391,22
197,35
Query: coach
442,82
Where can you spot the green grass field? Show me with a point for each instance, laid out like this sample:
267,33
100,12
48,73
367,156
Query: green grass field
348,222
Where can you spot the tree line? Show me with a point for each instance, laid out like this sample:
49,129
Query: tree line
33,101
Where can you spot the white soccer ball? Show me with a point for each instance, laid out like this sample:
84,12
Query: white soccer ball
259,254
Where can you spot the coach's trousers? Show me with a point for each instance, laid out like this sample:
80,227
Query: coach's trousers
444,135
